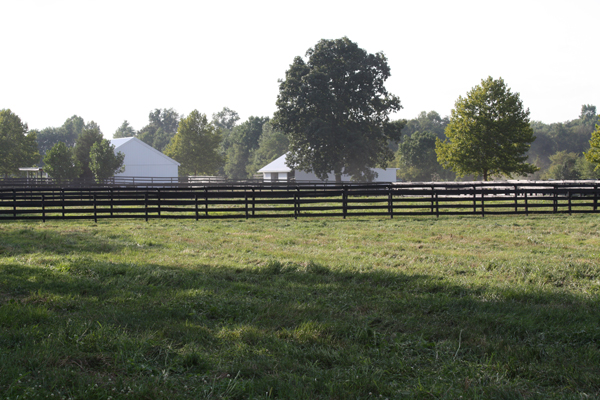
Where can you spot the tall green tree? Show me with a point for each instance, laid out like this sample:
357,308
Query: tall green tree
104,162
162,127
593,154
90,135
195,146
489,133
124,131
18,147
243,140
335,109
67,133
563,167
417,160
271,145
60,162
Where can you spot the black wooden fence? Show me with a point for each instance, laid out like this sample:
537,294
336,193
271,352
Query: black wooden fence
268,200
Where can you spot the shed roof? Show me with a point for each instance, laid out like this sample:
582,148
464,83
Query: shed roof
276,166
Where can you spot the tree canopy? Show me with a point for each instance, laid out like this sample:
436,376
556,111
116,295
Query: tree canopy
488,134
90,135
335,109
124,131
104,163
593,154
162,127
195,146
18,146
243,140
60,162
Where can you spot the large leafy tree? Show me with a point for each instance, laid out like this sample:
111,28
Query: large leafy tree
593,154
417,159
271,145
60,162
195,146
104,162
243,140
67,133
162,127
335,109
489,133
18,147
90,135
124,131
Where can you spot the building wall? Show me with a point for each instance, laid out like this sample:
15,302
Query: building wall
143,161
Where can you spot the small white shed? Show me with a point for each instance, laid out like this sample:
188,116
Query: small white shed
142,160
279,171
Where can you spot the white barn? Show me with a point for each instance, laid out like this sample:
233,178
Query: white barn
142,160
279,171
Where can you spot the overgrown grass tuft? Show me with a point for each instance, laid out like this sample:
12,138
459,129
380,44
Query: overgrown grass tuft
494,308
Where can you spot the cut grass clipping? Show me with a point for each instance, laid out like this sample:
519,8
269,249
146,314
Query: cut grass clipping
486,308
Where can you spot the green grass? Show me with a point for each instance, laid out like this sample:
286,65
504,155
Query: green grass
423,308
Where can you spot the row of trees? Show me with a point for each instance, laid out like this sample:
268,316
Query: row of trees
333,115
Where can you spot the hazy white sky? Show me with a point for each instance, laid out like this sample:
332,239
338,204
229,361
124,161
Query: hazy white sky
110,61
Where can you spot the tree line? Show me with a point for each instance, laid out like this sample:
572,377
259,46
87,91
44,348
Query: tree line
333,115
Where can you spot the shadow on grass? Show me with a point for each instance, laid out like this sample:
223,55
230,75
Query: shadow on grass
298,328
53,241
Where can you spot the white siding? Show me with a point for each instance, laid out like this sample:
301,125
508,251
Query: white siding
142,160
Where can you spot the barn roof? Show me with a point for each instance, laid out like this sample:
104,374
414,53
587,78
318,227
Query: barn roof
132,141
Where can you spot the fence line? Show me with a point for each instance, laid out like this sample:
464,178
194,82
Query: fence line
269,200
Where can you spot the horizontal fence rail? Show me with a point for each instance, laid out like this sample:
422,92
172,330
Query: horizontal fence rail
284,200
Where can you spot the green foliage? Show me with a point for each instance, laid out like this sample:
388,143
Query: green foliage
335,110
488,134
562,167
225,119
67,133
161,129
417,158
104,163
243,139
572,136
124,131
18,148
586,169
60,162
271,145
90,135
195,146
593,154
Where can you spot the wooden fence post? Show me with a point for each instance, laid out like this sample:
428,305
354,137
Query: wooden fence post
526,205
344,200
246,202
569,197
15,203
95,214
146,205
196,205
516,200
474,200
595,197
390,202
43,208
482,202
158,200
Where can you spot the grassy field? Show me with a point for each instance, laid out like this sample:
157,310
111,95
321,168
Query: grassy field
423,308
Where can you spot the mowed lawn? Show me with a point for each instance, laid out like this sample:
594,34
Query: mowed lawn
362,308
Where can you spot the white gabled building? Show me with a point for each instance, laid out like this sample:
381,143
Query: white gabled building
143,160
279,171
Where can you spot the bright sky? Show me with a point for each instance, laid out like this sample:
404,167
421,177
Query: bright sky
110,61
